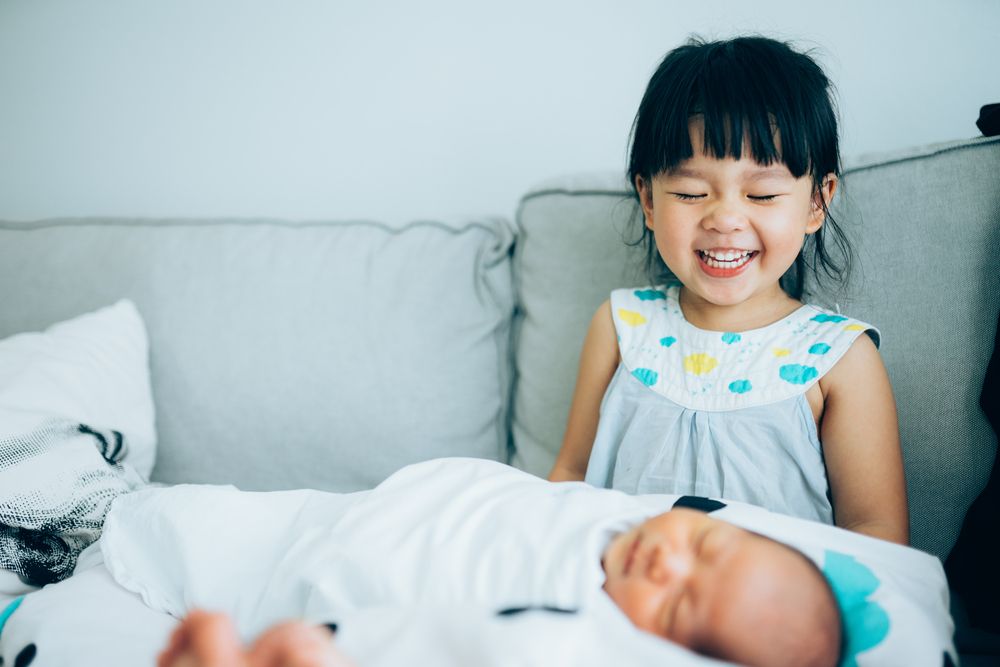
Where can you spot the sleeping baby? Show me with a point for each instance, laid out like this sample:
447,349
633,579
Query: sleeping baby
460,531
680,575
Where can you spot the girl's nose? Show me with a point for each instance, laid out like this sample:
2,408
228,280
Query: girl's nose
664,567
724,218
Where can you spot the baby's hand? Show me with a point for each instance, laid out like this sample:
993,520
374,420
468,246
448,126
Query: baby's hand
205,639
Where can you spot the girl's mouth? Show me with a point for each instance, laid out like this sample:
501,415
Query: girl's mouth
725,263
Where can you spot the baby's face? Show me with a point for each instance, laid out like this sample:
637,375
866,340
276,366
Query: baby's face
708,585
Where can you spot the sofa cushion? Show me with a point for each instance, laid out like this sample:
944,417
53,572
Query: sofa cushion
926,226
288,355
569,256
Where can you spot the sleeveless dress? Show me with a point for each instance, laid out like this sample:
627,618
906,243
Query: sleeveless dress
718,414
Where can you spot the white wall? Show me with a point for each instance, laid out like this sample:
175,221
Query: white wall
403,110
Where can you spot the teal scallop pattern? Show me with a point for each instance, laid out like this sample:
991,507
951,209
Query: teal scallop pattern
828,317
819,348
650,294
9,610
667,341
647,376
730,338
866,623
797,373
740,386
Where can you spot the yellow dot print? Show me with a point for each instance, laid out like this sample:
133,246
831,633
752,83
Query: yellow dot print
854,327
700,363
630,317
781,351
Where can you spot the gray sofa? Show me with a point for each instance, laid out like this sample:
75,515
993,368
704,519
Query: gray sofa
328,354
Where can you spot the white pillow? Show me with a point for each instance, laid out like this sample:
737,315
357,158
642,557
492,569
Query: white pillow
893,599
93,369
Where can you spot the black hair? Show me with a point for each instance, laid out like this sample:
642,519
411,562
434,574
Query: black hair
748,91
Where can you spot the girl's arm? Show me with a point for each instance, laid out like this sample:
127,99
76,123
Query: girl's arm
598,362
860,436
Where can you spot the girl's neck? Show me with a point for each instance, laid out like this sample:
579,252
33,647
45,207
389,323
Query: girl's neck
754,313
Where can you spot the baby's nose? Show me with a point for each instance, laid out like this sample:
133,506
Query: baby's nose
665,566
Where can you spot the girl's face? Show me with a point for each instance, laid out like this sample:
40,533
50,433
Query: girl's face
729,229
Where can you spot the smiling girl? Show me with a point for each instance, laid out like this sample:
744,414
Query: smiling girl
718,380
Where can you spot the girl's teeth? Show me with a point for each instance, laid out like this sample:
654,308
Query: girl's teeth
728,260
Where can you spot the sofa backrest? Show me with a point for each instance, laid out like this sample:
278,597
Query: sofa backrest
285,355
926,225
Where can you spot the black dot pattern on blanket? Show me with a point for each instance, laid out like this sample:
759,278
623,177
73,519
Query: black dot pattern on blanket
699,503
112,449
38,557
26,656
513,611
332,627
45,526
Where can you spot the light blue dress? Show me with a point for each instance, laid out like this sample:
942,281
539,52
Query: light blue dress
719,414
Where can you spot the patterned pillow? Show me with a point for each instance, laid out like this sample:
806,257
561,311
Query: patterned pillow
76,431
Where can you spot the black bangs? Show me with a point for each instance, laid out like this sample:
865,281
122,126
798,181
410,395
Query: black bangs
750,93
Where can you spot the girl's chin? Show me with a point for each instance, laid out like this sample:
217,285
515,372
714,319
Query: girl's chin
709,295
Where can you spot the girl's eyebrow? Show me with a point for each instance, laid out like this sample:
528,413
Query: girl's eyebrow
685,172
749,175
767,172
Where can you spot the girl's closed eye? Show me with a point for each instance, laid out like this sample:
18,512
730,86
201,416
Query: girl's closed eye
685,196
763,198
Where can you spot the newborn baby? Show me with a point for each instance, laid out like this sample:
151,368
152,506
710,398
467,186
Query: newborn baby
461,531
723,591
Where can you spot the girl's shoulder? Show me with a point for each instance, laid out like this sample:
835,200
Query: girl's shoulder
717,370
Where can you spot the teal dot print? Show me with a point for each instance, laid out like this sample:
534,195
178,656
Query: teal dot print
827,317
9,610
740,386
797,373
650,294
866,623
730,338
646,376
667,341
819,348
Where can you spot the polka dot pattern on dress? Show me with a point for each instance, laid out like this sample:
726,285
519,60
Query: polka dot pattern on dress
740,386
647,376
724,370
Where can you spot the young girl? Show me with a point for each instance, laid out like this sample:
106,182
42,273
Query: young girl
719,381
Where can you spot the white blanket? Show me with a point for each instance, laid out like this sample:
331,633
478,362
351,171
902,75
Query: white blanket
90,621
462,539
